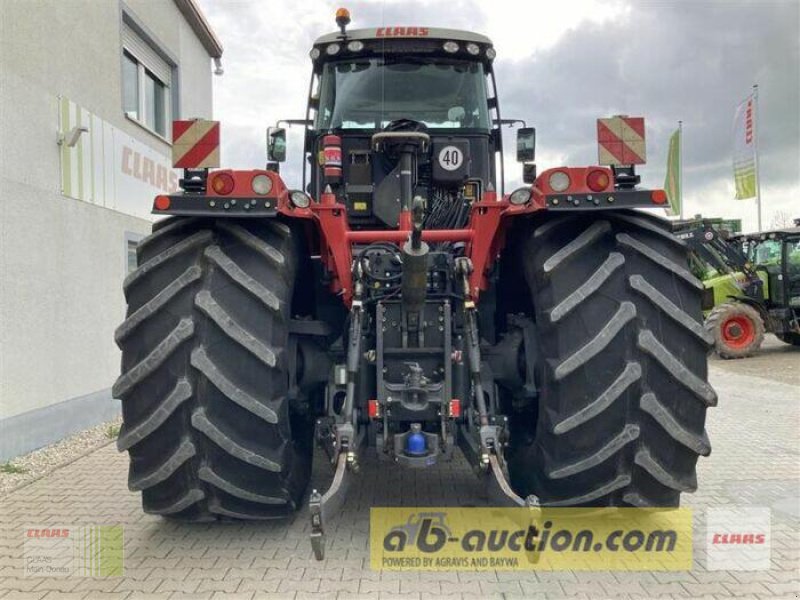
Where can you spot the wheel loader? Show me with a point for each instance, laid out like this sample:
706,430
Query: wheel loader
402,302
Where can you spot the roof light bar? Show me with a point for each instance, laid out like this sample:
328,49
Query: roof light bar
450,47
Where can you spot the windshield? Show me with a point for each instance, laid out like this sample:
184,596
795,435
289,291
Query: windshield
370,93
767,253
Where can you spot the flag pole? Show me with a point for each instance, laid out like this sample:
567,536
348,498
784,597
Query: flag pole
680,167
757,124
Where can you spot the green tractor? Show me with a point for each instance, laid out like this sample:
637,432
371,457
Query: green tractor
752,285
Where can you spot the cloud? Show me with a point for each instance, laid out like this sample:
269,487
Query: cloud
693,61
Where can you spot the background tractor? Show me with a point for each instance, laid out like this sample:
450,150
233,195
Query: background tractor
751,284
401,299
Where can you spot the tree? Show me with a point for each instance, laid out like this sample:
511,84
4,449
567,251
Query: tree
781,219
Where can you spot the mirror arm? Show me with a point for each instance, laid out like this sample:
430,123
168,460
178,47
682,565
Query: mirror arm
509,122
290,122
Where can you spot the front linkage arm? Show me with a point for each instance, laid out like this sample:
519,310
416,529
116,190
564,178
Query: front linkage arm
490,458
346,436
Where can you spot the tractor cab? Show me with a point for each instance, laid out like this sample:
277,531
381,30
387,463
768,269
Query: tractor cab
776,255
397,107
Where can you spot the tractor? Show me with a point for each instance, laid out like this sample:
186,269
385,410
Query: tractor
401,301
752,284
775,257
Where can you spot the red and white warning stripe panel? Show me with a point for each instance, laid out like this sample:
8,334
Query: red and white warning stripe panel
195,144
621,141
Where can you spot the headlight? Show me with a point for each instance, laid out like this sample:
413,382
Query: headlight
299,199
559,181
262,184
450,47
520,196
314,54
491,53
355,46
473,49
333,49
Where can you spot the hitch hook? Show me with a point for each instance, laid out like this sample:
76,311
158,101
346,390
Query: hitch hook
501,490
320,506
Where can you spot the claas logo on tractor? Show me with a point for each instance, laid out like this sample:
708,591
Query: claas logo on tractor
397,295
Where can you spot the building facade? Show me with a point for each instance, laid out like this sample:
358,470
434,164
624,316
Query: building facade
88,91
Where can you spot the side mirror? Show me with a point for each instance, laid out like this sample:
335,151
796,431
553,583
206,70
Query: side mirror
276,144
526,144
529,172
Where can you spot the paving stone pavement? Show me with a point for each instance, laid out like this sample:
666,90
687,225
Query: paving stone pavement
755,462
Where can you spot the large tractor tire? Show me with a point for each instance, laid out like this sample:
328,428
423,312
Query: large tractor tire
621,367
737,329
206,420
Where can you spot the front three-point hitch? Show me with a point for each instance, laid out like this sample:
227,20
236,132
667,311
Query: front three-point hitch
413,312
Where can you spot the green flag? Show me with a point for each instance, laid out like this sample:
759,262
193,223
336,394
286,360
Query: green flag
672,183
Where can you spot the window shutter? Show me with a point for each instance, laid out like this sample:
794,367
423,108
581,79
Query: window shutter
145,54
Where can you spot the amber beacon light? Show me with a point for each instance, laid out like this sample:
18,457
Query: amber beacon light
342,19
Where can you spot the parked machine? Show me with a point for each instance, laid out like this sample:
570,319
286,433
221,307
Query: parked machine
751,284
402,300
775,257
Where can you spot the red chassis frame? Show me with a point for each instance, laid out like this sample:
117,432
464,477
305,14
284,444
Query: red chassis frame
484,234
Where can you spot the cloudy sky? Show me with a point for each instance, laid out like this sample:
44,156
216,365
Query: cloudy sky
560,65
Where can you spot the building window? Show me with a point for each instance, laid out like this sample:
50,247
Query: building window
146,79
145,96
130,86
133,263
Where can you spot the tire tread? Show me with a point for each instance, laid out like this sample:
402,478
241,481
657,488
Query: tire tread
623,386
206,420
